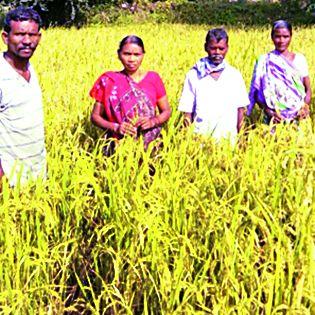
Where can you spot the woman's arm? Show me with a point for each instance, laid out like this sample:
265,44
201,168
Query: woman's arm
305,110
98,119
308,91
164,110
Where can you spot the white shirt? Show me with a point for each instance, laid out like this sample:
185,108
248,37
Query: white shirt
22,146
214,103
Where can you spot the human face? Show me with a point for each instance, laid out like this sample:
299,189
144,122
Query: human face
22,39
131,56
217,50
281,39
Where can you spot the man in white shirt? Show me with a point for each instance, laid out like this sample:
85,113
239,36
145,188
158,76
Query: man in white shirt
22,145
214,95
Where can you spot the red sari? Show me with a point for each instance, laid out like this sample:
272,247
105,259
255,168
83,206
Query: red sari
125,100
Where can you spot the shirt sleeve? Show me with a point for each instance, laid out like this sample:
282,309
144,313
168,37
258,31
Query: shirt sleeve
187,102
301,64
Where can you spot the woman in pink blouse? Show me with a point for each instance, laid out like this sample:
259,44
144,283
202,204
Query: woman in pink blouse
130,102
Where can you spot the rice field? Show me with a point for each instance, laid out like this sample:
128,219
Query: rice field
216,230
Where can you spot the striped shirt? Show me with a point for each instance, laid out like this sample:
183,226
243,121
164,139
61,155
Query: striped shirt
22,143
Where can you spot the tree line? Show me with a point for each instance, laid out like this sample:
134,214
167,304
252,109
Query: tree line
79,12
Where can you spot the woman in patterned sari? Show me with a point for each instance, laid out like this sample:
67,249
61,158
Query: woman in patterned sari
281,83
130,102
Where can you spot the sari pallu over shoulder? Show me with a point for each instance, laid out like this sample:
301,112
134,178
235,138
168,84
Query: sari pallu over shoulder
124,101
278,85
105,91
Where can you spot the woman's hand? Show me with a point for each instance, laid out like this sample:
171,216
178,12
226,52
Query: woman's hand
275,117
127,129
147,122
304,112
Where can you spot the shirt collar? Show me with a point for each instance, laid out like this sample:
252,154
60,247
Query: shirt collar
8,72
205,67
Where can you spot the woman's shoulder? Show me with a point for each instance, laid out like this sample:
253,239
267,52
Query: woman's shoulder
113,75
152,75
110,76
299,56
263,57
300,63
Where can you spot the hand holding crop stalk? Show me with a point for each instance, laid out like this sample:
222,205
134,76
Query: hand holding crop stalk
125,128
274,116
145,123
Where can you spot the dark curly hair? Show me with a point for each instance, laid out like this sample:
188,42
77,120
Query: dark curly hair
21,14
217,34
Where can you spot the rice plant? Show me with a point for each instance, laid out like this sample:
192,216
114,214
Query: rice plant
197,228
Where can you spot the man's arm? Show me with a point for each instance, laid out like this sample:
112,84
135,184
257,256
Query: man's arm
240,118
188,119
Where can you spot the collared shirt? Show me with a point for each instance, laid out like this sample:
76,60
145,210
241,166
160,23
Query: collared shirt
22,145
214,103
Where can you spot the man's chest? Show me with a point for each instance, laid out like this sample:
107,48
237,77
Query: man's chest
215,92
16,94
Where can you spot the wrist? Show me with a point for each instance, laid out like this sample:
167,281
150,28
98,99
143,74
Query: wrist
304,111
156,121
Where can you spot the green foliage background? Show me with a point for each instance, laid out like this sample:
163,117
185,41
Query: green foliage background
246,13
